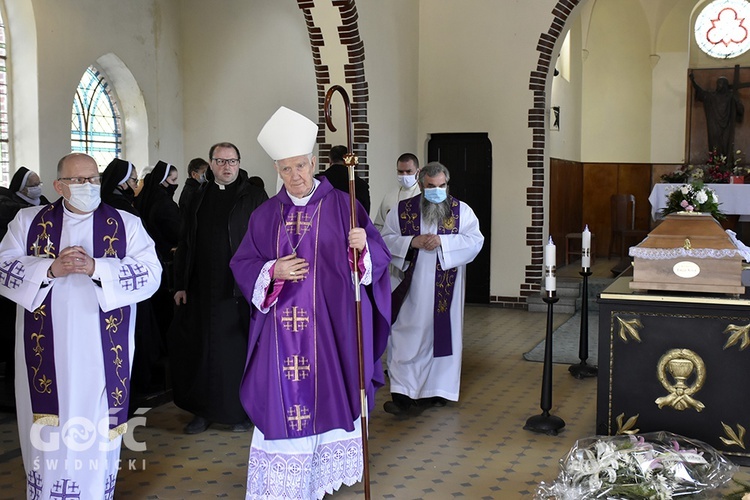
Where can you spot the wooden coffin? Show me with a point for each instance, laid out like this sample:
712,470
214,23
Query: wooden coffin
688,252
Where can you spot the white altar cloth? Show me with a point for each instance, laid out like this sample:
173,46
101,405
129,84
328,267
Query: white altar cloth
734,199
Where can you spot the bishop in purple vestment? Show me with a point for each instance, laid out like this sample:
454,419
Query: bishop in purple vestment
301,381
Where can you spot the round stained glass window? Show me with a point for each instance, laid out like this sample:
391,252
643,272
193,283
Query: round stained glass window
722,29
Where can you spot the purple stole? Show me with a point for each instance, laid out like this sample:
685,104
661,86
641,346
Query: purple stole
409,215
43,240
295,319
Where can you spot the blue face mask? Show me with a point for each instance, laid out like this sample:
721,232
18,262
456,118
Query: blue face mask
435,195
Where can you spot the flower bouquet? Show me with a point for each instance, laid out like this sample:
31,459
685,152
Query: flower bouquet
692,198
657,465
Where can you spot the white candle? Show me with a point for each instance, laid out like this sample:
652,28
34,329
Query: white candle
550,282
586,248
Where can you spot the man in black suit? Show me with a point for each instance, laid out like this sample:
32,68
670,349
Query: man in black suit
338,175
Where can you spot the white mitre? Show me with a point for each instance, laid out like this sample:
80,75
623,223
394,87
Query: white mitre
288,134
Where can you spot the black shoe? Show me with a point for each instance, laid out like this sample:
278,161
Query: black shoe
439,402
393,408
242,426
397,408
196,426
434,401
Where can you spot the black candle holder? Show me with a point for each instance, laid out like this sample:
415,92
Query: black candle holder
546,423
582,370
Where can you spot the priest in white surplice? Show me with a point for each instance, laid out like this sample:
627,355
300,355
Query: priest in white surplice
431,237
76,268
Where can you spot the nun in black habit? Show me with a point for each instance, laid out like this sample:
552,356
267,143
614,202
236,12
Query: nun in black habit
118,181
147,377
25,190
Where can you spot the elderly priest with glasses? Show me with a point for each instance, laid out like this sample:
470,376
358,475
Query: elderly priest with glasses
301,383
76,268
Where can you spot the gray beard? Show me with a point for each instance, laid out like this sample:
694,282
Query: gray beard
435,213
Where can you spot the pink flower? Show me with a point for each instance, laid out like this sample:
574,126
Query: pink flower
689,208
684,203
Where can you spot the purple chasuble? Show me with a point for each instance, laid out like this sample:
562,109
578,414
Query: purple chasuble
409,215
43,240
301,377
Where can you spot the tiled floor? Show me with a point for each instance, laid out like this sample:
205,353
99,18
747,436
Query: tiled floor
475,449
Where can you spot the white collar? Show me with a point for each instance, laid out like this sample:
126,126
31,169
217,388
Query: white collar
300,202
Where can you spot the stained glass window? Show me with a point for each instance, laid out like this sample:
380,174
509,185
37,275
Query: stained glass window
4,125
96,126
721,29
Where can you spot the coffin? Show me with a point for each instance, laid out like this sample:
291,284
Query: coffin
688,252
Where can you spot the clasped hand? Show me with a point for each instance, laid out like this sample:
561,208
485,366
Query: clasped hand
73,260
291,267
426,241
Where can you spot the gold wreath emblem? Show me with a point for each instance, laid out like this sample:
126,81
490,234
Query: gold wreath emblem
680,365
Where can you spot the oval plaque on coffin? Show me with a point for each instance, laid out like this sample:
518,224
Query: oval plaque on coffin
686,269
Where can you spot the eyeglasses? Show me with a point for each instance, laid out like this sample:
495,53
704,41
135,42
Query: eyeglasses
132,179
232,162
96,180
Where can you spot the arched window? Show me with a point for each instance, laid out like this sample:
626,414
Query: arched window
95,125
4,125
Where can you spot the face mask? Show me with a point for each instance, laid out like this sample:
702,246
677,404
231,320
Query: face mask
85,197
34,192
435,195
202,179
171,188
407,181
127,192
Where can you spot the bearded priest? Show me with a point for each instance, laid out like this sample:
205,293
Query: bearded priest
431,237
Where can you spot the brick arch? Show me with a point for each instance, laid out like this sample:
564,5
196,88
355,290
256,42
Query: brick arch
535,155
354,76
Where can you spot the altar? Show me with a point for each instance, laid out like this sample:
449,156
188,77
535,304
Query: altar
734,199
677,362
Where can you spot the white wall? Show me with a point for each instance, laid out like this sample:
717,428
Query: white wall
72,34
241,61
392,71
566,93
475,60
616,105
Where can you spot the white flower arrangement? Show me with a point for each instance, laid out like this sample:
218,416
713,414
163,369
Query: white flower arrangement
658,465
693,197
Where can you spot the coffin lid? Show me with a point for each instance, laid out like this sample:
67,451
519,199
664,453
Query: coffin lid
687,234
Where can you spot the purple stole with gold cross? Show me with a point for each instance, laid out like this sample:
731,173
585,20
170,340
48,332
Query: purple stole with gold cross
43,240
409,217
296,326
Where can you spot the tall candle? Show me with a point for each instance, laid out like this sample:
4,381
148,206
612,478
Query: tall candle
586,248
550,282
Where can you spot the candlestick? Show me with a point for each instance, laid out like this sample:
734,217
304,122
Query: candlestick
586,248
550,282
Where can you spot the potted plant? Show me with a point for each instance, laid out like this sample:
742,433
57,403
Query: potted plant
738,171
